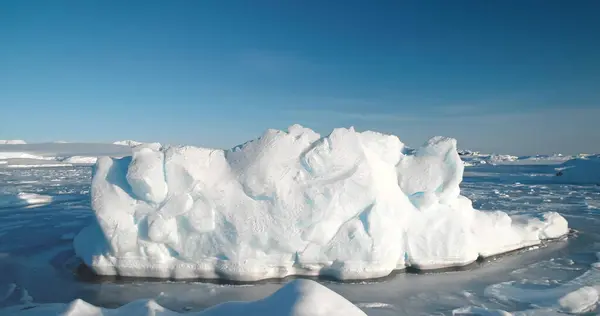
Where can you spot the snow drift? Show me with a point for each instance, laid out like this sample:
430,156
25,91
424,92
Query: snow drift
580,171
349,205
297,298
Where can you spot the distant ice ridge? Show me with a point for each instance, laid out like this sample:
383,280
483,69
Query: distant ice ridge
349,205
79,160
130,143
296,298
26,160
475,158
12,142
22,155
57,154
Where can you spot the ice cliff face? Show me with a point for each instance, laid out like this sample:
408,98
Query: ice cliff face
349,205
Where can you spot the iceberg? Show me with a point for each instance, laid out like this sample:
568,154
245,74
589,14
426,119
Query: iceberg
350,205
580,171
296,298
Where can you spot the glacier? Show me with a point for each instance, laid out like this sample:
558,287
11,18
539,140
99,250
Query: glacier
350,205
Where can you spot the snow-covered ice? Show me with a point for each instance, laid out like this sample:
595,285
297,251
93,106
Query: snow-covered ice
297,298
349,205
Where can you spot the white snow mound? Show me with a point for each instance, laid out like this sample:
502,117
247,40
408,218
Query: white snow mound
296,298
349,205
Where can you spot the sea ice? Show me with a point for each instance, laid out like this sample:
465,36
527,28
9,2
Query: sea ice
580,295
349,205
296,298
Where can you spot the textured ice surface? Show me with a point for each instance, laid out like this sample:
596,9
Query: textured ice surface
297,298
349,205
579,295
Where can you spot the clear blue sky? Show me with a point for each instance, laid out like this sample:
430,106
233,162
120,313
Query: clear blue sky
503,76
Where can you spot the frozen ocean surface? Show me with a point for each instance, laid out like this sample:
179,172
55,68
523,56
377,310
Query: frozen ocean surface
42,209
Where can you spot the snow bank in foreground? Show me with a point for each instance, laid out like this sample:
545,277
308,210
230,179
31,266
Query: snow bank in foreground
350,206
12,142
296,298
580,171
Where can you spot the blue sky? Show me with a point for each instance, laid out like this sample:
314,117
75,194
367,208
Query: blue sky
504,76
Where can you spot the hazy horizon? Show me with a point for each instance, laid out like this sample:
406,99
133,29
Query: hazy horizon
499,76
